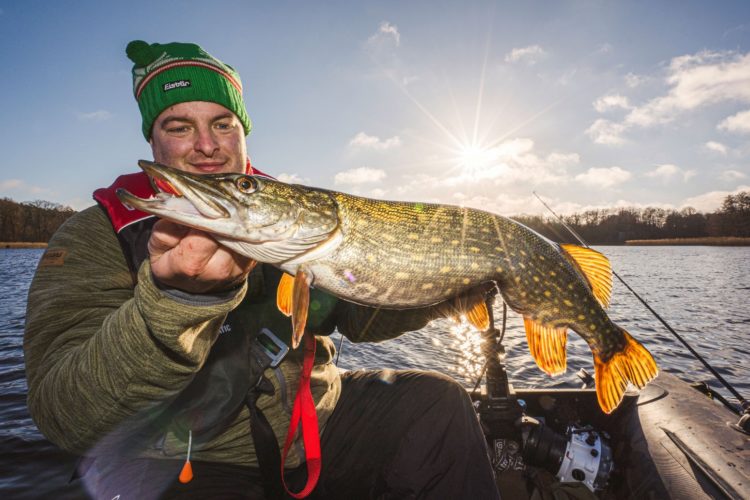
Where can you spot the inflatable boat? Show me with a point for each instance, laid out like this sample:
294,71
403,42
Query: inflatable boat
666,441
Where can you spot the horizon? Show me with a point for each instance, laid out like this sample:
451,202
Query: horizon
547,214
592,104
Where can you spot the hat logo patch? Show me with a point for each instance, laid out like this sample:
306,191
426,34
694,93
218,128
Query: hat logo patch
176,85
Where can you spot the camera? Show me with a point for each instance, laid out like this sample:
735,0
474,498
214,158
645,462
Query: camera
582,454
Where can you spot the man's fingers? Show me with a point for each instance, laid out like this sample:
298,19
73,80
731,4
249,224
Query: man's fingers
165,236
230,264
193,261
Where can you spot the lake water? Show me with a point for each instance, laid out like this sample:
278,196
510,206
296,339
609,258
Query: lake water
703,292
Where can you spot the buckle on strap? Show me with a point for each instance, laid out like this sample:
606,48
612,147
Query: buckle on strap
268,350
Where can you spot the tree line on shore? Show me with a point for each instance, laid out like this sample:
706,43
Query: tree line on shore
33,221
618,225
37,221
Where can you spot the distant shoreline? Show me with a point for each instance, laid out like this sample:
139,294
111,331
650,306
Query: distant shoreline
23,244
722,241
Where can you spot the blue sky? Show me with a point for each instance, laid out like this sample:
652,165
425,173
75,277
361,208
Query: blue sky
589,103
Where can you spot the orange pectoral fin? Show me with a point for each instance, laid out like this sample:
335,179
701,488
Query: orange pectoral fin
479,316
300,305
284,294
547,346
633,363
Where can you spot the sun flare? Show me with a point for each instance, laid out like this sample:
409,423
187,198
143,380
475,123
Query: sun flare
474,157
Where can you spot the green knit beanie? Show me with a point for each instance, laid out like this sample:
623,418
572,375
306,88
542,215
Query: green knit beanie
168,74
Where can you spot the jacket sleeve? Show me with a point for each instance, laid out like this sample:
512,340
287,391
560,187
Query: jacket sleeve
102,353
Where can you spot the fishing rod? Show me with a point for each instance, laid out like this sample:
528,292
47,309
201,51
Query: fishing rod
744,403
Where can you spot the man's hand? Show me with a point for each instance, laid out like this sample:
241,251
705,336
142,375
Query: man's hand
192,261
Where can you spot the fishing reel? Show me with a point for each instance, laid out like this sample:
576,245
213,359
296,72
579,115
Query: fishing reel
583,454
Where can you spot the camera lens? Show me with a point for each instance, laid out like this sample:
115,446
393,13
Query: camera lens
544,448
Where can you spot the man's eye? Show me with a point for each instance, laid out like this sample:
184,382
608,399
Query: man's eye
223,126
177,130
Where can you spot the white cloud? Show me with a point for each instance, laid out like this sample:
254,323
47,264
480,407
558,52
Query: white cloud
693,81
567,77
606,132
604,177
566,207
716,147
19,185
738,123
489,179
95,116
613,101
604,48
736,31
78,204
514,148
563,159
406,80
530,55
361,175
387,32
505,204
513,161
292,179
711,201
362,140
11,184
732,175
632,80
664,172
667,171
697,80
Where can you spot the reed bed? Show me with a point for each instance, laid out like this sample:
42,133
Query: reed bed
724,241
23,244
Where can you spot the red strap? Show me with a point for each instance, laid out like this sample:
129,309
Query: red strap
304,412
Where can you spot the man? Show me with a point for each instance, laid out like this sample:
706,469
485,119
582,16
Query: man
145,351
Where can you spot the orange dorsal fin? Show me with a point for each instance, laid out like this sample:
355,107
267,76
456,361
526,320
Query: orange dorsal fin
300,304
284,294
547,346
632,363
595,268
479,316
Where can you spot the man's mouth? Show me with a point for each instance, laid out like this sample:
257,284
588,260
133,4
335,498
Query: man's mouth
209,167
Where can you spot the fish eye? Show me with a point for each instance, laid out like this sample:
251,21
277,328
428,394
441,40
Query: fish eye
246,185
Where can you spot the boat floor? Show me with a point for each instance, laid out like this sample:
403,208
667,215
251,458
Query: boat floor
668,441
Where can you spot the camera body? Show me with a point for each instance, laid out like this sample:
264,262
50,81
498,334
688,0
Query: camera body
583,454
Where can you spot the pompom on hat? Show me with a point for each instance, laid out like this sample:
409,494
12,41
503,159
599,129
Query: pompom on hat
168,74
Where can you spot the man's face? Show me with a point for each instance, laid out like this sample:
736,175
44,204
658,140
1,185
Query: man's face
199,137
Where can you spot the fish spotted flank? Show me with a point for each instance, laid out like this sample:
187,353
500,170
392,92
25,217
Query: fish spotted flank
401,255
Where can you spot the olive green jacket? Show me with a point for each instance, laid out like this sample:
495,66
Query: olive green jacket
105,351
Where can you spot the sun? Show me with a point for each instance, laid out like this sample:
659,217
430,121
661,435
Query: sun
472,159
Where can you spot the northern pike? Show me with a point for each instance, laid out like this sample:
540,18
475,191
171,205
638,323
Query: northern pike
399,255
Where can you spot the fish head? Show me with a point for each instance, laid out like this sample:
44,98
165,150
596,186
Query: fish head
259,217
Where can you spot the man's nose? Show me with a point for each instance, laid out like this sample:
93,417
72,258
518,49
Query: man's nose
206,143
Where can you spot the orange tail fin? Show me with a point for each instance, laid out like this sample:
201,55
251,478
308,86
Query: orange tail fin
632,364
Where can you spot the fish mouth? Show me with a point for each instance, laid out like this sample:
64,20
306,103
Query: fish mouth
180,196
